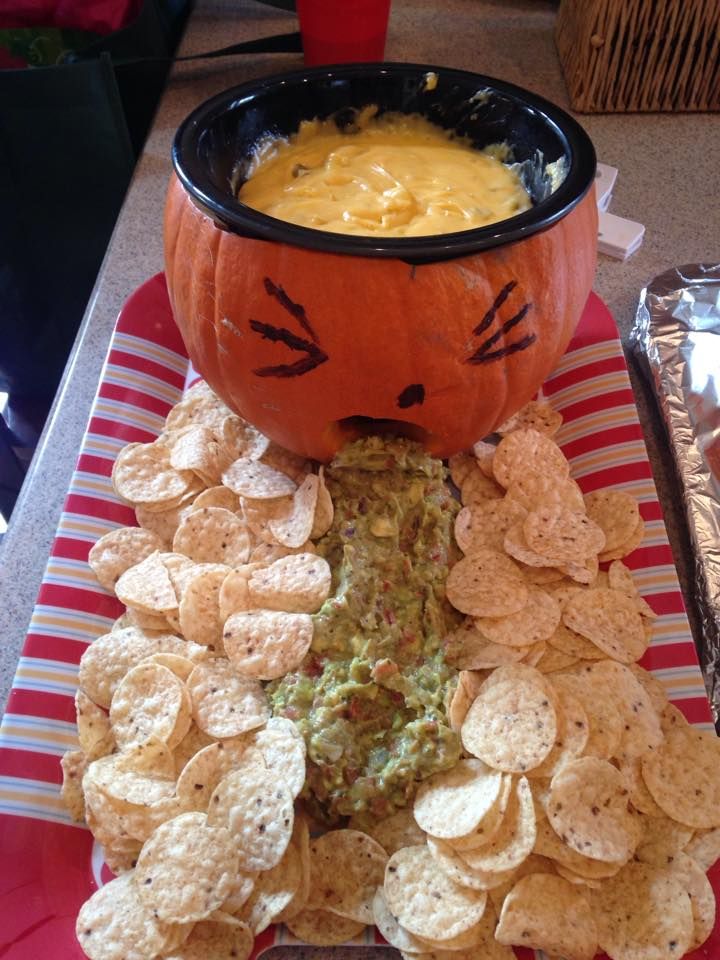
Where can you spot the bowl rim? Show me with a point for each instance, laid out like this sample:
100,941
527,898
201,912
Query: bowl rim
229,213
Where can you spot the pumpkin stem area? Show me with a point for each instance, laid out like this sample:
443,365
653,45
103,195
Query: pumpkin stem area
352,428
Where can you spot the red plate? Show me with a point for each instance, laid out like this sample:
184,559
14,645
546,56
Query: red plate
48,866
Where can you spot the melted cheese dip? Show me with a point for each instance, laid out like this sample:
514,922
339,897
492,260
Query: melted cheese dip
396,176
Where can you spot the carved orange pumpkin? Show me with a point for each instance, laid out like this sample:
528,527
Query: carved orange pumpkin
314,346
306,344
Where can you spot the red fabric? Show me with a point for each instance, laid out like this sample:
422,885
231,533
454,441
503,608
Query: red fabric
96,16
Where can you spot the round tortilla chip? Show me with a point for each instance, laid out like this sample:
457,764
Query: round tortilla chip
257,809
532,864
484,454
654,688
515,545
234,595
202,773
515,839
118,550
512,724
257,480
662,840
273,890
322,928
551,660
643,912
536,621
467,648
210,938
218,496
625,549
346,868
640,797
186,869
293,528
562,535
532,490
147,585
74,765
200,608
574,644
425,900
610,620
395,934
702,897
616,513
601,709
267,644
547,913
114,924
241,439
150,701
324,509
486,584
536,415
394,832
549,844
477,488
490,824
704,847
460,702
683,776
588,808
284,751
300,839
482,526
213,535
453,865
572,732
200,404
296,584
452,803
142,474
163,523
94,730
460,465
526,451
196,449
641,730
225,704
106,661
621,578
182,667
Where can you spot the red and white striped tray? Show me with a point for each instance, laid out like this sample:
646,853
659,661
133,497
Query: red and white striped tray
49,866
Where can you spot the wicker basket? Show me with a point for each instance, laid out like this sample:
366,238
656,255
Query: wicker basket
640,55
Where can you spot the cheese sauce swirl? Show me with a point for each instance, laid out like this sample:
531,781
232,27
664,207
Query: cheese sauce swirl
395,176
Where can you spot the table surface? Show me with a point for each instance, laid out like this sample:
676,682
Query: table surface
667,181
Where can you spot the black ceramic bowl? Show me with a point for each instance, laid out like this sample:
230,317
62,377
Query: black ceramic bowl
213,145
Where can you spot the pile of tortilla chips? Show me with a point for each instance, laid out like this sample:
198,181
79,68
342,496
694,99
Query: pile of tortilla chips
582,816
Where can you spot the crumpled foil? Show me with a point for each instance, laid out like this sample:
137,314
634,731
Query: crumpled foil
676,337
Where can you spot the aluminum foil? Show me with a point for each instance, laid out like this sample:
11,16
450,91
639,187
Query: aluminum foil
676,337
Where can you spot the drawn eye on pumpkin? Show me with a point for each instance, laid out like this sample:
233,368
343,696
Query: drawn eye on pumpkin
485,353
314,355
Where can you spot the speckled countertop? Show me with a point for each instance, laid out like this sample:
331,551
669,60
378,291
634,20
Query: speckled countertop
667,163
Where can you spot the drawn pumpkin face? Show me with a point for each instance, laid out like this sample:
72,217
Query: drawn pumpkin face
315,348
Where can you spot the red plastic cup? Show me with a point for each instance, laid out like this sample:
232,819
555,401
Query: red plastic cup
343,31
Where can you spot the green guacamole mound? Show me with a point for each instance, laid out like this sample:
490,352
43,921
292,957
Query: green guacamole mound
370,697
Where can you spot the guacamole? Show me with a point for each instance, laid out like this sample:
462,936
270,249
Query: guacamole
369,697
